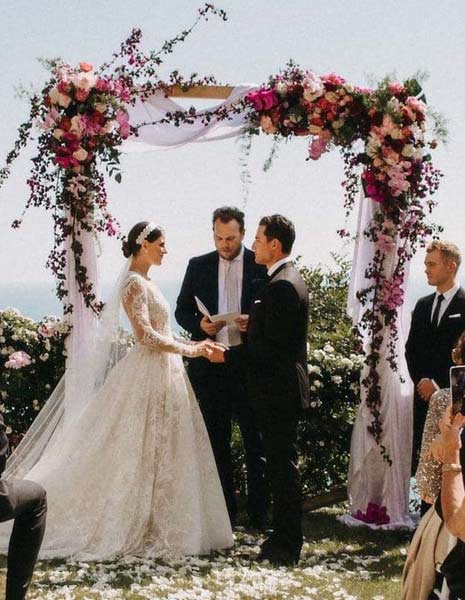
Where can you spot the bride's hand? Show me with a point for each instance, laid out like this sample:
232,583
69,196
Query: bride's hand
205,347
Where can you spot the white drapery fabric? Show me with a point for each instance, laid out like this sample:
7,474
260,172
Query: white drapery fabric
371,478
165,135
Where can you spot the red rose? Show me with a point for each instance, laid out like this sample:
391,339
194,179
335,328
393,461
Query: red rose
65,124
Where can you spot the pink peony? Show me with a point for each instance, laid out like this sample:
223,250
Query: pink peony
86,67
18,360
333,79
122,119
263,99
317,147
396,88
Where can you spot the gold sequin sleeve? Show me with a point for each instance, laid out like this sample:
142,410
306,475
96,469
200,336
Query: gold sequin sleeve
428,473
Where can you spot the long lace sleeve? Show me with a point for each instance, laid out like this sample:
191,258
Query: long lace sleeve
428,473
135,303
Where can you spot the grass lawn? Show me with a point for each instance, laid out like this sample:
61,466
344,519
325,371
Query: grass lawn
337,563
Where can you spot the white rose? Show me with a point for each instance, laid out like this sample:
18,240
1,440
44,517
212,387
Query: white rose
328,348
44,357
337,379
2,340
317,383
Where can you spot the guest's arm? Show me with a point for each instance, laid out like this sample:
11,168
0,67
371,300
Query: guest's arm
428,473
452,488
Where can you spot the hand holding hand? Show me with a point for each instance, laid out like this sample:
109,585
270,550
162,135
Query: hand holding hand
217,354
205,347
426,389
242,321
211,328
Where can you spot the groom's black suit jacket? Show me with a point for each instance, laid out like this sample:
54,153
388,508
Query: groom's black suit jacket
428,350
276,348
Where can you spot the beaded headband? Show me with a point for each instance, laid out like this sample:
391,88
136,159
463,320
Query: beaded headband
145,232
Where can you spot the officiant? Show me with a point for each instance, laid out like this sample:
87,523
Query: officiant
226,281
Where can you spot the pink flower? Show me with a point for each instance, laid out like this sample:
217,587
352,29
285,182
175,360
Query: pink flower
50,120
81,95
122,90
266,123
90,126
392,294
317,147
313,86
385,242
86,67
111,228
46,331
375,514
396,88
333,79
263,99
122,118
18,360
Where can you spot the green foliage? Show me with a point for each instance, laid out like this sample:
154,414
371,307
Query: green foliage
23,391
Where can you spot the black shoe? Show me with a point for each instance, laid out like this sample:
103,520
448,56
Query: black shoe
277,556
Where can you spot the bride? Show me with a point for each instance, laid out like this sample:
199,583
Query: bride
134,473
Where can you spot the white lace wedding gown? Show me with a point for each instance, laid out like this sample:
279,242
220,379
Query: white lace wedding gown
135,475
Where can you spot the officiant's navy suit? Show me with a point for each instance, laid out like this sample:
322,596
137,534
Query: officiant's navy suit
221,389
428,352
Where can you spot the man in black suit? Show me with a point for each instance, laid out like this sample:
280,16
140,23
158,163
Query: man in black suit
226,280
25,502
437,322
276,357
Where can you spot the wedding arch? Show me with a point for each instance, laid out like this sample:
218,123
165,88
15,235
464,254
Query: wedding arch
86,117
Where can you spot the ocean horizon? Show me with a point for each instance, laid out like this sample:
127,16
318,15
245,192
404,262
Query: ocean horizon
39,300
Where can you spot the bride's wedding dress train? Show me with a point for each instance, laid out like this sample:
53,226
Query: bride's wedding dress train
135,474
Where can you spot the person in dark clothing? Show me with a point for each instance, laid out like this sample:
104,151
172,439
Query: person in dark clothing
26,503
275,355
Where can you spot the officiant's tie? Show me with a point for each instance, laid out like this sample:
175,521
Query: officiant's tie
435,321
232,302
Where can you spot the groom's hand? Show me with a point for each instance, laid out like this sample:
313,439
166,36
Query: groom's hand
217,354
211,328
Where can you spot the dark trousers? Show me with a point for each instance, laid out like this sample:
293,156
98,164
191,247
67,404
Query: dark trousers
278,425
26,503
222,394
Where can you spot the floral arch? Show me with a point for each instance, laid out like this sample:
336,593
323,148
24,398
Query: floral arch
85,118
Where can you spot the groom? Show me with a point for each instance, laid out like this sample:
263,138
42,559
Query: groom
276,358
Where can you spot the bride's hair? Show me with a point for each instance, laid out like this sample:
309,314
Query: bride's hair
130,246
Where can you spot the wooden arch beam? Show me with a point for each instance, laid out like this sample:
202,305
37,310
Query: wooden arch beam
213,92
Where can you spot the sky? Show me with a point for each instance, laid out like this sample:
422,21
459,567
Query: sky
362,40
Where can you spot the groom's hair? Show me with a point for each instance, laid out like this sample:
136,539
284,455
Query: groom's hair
228,213
279,228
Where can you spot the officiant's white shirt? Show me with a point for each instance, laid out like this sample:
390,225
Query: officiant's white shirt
237,264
